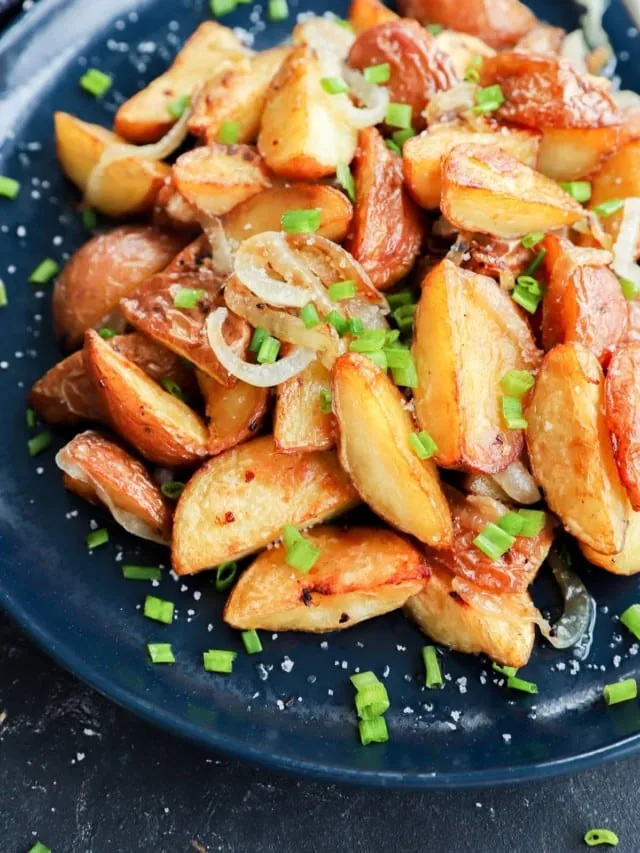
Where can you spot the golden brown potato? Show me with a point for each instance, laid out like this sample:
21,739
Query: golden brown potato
236,94
162,428
468,334
570,449
364,14
418,67
145,117
151,309
300,425
215,178
499,23
100,273
233,414
263,491
422,156
263,212
315,137
400,487
387,230
542,39
360,573
485,189
502,634
567,155
619,177
622,399
128,186
627,561
462,49
172,210
102,472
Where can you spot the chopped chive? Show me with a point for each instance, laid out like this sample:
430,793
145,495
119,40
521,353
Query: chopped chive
406,377
488,100
177,107
471,75
534,522
525,298
371,340
9,188
39,847
515,683
290,535
434,29
578,190
97,538
30,418
268,352
379,358
335,319
391,339
3,295
364,680
140,573
106,334
160,653
251,642
621,691
393,146
509,671
433,677
301,221
188,297
342,290
608,208
378,73
535,264
631,620
222,7
422,444
372,702
260,334
96,82
172,490
512,412
399,115
300,554
400,298
309,316
401,136
219,660
158,609
595,837
355,326
344,24
373,731
229,132
404,316
172,387
226,575
493,541
516,383
511,523
326,401
39,443
345,179
630,289
44,272
89,218
334,85
532,239
398,357
278,10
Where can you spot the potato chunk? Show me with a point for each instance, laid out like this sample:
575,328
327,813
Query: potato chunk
468,334
239,502
300,425
619,177
574,153
233,414
627,561
622,396
463,49
360,573
364,14
570,449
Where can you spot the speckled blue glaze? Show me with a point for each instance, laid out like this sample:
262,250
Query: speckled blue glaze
78,607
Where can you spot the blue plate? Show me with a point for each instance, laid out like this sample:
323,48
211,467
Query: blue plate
77,606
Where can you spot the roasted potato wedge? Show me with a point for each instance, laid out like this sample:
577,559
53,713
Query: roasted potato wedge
102,472
215,178
364,14
300,425
128,186
542,39
462,49
501,633
570,449
162,428
100,273
468,334
422,156
397,485
619,177
387,230
499,24
360,573
263,212
315,137
419,68
622,401
567,155
263,491
487,190
145,117
151,309
627,561
233,414
237,93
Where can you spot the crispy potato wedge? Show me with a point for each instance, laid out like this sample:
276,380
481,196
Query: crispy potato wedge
397,485
233,414
237,93
387,230
573,153
468,334
145,117
619,177
151,309
542,39
422,156
627,561
448,619
215,178
570,449
487,190
315,137
263,212
499,23
419,68
462,49
100,471
172,210
364,14
162,428
300,425
622,401
263,490
128,186
100,273
360,573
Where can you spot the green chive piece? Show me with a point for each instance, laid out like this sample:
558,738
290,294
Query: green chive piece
515,683
89,218
401,136
355,326
9,188
630,289
342,290
488,100
512,412
39,847
268,352
177,107
226,575
30,418
172,387
97,538
301,221
525,298
532,239
344,24
326,401
371,340
535,264
172,490
372,702
158,609
229,132
3,295
378,73
434,29
493,541
106,334
188,297
534,522
472,75
378,358
44,272
631,620
509,671
338,322
39,443
373,731
251,641
222,7
160,653
516,383
433,675
393,146
290,535
608,208
399,115
405,377
422,444
219,660
300,554
621,691
511,523
345,180
334,85
309,316
391,339
404,316
278,10
140,573
364,680
595,837
398,357
400,298
579,190
260,334
95,82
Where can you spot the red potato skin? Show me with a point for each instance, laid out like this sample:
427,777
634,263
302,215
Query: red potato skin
622,411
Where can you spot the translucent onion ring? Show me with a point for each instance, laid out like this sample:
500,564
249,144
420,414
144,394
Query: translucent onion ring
625,248
518,483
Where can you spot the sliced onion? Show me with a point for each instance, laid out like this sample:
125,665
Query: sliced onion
575,626
485,486
521,609
458,252
259,375
446,106
518,483
270,250
221,252
324,35
574,48
375,99
625,248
